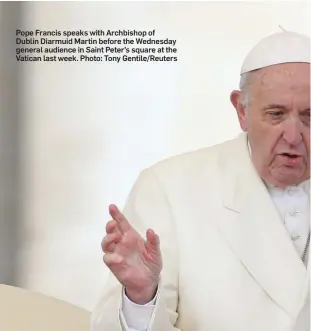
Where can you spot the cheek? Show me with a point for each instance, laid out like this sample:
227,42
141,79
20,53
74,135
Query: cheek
274,140
263,135
266,136
268,144
306,138
256,124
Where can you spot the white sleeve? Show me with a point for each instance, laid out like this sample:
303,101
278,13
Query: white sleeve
136,317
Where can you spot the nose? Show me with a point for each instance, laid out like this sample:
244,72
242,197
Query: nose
292,132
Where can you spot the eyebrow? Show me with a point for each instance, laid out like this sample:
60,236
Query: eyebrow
274,106
277,106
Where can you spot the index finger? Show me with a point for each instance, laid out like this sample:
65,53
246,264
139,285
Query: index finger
115,213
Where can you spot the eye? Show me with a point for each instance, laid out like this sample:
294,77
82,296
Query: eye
276,114
306,117
305,113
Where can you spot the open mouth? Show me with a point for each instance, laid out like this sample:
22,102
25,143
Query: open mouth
292,156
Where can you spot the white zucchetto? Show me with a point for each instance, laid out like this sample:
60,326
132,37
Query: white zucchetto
280,47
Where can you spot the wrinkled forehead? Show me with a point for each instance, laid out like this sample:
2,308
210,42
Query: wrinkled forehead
285,83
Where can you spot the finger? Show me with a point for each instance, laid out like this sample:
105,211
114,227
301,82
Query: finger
122,222
110,238
109,242
153,239
110,248
111,226
112,259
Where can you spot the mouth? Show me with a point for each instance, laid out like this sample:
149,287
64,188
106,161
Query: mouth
291,159
290,155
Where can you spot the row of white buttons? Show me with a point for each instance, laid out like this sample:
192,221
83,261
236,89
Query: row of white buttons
294,236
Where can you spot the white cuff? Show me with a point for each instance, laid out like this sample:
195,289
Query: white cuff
137,317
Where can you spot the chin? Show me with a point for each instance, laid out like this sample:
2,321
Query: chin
288,177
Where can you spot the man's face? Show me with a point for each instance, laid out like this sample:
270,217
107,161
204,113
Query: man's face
277,121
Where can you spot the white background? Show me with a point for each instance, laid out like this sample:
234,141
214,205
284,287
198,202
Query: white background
90,128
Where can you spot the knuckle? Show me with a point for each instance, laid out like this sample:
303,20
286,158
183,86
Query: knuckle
109,260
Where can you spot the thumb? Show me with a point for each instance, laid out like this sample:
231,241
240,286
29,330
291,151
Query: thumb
153,239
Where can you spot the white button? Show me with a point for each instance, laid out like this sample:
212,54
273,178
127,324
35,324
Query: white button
294,190
294,213
295,237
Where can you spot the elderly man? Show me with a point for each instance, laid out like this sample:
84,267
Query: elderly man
227,227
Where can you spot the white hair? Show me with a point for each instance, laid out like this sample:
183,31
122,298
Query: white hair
244,87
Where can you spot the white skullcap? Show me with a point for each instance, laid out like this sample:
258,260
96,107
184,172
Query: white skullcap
280,47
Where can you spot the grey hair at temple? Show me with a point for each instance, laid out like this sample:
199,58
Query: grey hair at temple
244,87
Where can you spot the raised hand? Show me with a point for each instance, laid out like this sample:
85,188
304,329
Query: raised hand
135,262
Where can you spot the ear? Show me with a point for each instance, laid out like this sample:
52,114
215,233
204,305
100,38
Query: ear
236,100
